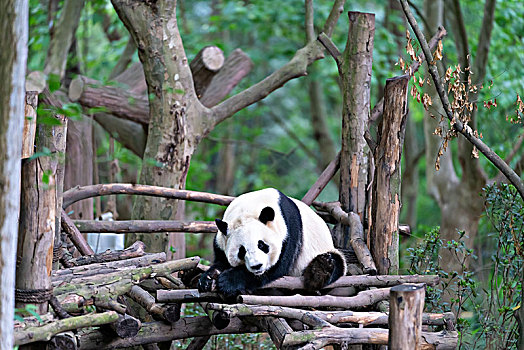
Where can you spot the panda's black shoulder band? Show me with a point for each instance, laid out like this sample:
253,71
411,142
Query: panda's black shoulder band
293,242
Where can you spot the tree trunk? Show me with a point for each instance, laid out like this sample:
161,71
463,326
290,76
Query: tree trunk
13,55
355,72
38,214
62,34
386,199
170,142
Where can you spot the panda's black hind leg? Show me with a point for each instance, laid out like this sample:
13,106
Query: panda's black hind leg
323,270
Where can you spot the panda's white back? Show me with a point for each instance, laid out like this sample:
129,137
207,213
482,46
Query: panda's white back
316,238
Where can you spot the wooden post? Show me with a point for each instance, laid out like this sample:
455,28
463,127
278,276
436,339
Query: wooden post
28,138
38,211
406,304
355,71
204,66
386,198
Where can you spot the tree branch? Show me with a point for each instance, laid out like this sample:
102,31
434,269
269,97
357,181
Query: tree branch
78,193
309,19
295,68
465,130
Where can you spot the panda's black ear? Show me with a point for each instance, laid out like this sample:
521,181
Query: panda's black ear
267,214
222,226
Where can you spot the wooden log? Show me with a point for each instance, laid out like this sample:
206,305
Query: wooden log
204,67
360,281
369,318
169,313
236,66
29,133
59,276
278,329
406,304
76,237
198,343
79,292
356,234
184,296
322,181
137,249
37,223
63,341
152,226
126,326
362,299
119,102
156,332
78,193
47,331
376,336
386,199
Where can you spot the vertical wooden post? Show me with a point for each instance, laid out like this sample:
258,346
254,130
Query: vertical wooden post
355,71
38,211
28,138
406,304
386,198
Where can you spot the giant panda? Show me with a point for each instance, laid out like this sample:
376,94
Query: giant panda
265,235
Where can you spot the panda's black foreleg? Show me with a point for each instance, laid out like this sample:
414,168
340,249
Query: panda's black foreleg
208,280
322,270
237,280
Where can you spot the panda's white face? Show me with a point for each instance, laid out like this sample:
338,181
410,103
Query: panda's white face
252,232
254,245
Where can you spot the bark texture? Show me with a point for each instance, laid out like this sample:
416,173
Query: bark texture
386,199
13,55
38,214
406,304
355,71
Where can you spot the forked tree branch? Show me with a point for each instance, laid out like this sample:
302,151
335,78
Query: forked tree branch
465,130
295,68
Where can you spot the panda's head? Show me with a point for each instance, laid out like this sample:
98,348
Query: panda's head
252,238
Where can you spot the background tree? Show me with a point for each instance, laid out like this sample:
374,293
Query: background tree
13,55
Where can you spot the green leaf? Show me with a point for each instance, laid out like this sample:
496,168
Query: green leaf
53,82
45,152
48,120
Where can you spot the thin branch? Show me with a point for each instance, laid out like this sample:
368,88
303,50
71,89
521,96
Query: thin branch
309,19
330,47
322,181
336,11
465,130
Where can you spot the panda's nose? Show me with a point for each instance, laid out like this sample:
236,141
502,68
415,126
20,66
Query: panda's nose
256,267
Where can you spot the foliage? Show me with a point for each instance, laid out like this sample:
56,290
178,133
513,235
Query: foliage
487,311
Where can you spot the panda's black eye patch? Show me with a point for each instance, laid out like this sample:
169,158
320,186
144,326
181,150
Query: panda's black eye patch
263,246
241,252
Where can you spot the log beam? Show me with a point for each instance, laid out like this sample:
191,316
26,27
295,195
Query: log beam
78,193
126,226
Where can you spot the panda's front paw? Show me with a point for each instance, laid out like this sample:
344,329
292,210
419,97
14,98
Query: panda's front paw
231,283
208,281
